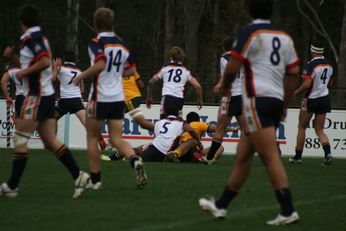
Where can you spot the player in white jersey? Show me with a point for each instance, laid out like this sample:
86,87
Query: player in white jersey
167,133
230,105
174,77
266,54
70,94
10,74
318,75
110,60
37,112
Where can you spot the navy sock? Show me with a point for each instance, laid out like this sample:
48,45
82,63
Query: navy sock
285,200
326,149
95,177
133,158
226,198
18,166
64,155
115,156
298,154
215,145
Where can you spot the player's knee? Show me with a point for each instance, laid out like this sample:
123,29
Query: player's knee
136,113
20,138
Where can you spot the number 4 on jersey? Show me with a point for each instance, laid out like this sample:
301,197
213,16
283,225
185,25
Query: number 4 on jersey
116,61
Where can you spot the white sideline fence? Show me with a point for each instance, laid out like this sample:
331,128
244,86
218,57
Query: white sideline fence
71,131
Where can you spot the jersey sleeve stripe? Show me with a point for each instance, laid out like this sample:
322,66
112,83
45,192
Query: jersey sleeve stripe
238,56
130,66
44,53
292,65
99,56
306,76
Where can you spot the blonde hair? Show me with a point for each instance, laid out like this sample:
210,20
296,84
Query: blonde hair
104,19
176,54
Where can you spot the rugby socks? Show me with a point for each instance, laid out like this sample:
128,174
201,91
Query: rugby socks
64,155
18,166
179,152
326,149
285,200
133,159
226,198
298,155
215,145
95,177
115,156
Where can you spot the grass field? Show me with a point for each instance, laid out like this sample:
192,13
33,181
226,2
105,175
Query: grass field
169,202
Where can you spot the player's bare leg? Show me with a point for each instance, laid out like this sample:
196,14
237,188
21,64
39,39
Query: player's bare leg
145,124
115,138
181,150
319,130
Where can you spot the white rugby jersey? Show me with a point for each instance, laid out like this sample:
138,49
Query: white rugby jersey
107,86
320,71
34,46
174,77
19,85
236,85
166,131
66,75
267,53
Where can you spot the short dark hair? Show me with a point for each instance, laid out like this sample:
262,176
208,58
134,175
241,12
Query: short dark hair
227,44
29,15
176,54
104,19
262,9
70,55
192,117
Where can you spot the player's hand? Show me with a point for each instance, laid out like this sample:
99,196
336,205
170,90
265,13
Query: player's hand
199,104
149,102
225,91
217,88
9,102
9,52
57,63
20,75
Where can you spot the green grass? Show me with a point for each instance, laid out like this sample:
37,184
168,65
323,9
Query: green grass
169,202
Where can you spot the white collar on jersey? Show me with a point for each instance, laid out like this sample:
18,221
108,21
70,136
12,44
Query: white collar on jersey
71,63
30,30
172,61
318,57
106,34
172,117
261,21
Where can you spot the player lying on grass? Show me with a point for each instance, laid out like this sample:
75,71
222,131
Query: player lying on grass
188,151
167,132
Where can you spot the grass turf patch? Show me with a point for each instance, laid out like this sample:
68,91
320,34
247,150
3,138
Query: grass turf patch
169,201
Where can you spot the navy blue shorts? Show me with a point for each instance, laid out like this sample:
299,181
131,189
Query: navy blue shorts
151,154
38,108
18,104
319,105
168,101
71,105
231,106
106,110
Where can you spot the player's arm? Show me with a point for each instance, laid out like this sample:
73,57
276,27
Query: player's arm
217,87
4,81
41,64
150,86
94,70
81,87
291,83
193,133
56,68
231,71
194,82
305,85
140,84
212,128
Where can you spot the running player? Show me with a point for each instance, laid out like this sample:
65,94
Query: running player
70,95
318,75
110,61
174,76
187,150
266,54
37,112
230,105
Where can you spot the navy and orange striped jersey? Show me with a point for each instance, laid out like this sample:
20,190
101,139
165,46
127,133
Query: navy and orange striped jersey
320,71
267,53
107,86
33,47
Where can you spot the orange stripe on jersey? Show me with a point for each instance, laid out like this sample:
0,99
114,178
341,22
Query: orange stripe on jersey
72,68
261,32
115,45
95,40
44,53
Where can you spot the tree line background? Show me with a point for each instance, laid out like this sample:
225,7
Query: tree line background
151,27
